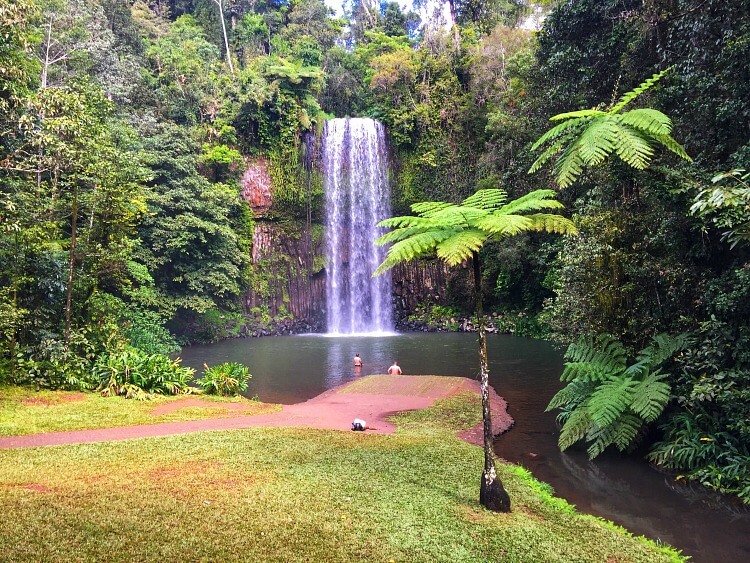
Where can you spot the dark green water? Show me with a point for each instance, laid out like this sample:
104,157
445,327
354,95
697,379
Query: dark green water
526,373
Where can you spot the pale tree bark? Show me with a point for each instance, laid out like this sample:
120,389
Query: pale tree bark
492,494
224,31
456,37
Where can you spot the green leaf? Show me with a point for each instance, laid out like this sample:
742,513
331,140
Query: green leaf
650,396
611,399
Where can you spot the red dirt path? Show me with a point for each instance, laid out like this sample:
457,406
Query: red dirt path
373,399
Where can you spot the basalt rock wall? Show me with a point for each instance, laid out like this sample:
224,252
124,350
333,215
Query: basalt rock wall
288,276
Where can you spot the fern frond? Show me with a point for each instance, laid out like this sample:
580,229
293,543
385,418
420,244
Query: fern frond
581,113
428,208
670,144
569,166
650,121
600,438
620,434
598,141
551,223
626,430
662,347
398,234
504,225
406,221
650,396
633,148
558,130
637,91
486,199
594,359
638,370
461,246
417,246
532,201
572,395
575,428
548,153
611,399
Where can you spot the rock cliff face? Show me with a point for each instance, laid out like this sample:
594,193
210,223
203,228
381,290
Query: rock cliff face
288,276
256,186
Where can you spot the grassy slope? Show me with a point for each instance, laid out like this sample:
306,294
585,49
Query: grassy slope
25,411
270,494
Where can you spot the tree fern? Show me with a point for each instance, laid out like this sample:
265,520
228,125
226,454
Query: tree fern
573,394
458,232
461,246
616,400
576,427
486,199
610,399
594,359
589,137
650,396
620,434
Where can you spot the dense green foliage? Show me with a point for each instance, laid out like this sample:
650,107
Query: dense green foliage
227,379
606,401
126,126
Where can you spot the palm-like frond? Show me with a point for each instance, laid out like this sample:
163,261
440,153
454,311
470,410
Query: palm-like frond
551,223
416,246
532,201
575,428
560,129
456,232
610,400
461,246
650,396
581,113
486,199
429,208
553,150
572,395
407,221
648,120
589,137
661,348
633,147
569,166
637,91
594,359
598,140
620,434
504,225
618,400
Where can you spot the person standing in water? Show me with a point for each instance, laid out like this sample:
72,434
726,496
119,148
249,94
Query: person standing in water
394,369
357,361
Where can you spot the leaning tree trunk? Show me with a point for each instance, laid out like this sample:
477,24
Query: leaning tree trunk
492,494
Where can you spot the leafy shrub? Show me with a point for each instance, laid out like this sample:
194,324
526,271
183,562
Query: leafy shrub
227,379
710,455
135,374
607,402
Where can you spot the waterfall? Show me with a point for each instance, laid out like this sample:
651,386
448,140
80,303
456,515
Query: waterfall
357,192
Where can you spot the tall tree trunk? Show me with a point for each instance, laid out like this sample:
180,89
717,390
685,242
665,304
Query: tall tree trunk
71,269
224,30
492,494
456,37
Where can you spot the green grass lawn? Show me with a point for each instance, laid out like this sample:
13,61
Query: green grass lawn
26,411
275,494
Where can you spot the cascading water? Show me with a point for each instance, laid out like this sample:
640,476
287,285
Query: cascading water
355,172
